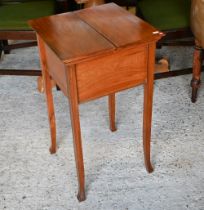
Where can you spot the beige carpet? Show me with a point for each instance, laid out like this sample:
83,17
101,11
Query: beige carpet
32,179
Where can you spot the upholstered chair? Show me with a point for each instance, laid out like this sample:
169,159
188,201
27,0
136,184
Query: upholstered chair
14,15
170,16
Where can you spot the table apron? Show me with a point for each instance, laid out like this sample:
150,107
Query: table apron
112,73
56,69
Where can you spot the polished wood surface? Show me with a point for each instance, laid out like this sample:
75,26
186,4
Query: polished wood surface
89,56
148,97
56,69
116,28
74,113
114,72
83,40
90,37
49,97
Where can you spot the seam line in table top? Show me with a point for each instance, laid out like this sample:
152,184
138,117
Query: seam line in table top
97,31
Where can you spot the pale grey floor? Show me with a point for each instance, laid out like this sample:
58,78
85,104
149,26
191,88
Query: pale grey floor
32,179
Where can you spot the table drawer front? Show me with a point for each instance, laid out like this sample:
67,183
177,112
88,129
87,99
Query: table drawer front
112,73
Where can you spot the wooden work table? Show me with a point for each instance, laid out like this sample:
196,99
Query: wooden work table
93,53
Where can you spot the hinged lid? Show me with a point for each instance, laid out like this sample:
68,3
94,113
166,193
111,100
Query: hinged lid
118,25
78,35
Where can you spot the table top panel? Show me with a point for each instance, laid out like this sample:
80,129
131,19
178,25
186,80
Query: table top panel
118,25
76,36
70,37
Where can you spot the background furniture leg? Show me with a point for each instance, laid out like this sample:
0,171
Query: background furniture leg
40,84
74,114
1,48
111,103
195,82
5,44
162,65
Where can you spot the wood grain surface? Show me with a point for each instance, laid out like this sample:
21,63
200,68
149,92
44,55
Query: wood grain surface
111,22
69,37
92,53
92,32
111,73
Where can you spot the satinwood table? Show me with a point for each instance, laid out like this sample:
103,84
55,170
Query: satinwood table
92,53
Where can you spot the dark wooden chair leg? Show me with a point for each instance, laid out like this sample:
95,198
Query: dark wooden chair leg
111,102
195,82
1,48
5,45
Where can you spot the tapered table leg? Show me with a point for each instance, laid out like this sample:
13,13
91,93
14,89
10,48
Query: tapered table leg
195,82
49,97
51,114
111,102
147,114
74,113
147,118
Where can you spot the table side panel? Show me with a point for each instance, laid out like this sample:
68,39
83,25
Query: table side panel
56,69
121,70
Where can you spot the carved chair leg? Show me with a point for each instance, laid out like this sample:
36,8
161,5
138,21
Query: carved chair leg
195,82
111,102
